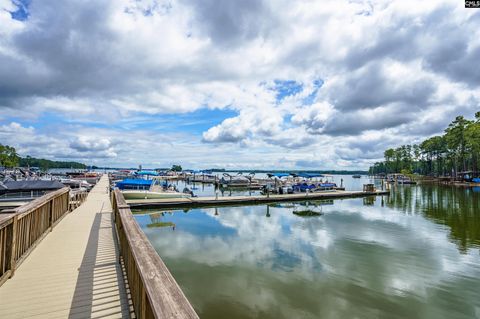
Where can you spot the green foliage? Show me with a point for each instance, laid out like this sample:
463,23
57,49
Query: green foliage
8,156
455,151
45,164
176,168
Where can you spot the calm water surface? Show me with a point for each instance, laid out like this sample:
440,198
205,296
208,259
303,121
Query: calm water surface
414,254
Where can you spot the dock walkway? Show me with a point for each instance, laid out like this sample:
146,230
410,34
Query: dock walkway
244,200
74,271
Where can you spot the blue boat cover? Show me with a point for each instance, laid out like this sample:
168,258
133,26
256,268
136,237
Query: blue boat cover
149,173
133,182
476,180
309,175
328,185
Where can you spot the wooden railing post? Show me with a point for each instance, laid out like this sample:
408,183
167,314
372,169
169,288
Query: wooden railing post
12,263
50,217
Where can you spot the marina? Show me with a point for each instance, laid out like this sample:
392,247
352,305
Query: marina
239,159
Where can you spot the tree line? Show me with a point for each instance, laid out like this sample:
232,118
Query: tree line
10,158
457,150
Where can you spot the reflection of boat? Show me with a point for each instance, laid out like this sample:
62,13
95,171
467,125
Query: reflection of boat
316,203
307,213
356,176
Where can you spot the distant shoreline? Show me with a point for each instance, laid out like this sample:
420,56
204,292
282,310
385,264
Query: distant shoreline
264,171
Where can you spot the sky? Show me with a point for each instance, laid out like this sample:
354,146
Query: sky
252,84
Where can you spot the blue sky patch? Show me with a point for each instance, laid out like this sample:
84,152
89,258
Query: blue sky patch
195,122
317,84
195,222
21,13
287,88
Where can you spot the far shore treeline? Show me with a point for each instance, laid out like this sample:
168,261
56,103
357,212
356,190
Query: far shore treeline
10,158
458,150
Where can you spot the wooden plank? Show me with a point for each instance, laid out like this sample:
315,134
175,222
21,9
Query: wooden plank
5,277
26,253
5,220
12,242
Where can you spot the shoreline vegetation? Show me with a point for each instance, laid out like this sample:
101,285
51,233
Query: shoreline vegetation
456,153
9,158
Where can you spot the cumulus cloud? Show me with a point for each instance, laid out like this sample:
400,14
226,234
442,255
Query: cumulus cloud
15,128
295,74
85,144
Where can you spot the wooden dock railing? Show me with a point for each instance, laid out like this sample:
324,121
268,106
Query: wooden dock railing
22,228
77,198
154,291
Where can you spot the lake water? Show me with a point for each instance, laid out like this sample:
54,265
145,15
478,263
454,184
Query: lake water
414,254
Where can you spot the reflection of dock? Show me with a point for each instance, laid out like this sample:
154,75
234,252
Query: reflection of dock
234,200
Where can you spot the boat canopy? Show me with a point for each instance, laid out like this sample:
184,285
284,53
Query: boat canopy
279,175
133,182
147,173
17,186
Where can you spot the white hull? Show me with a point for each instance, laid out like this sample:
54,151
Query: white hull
136,194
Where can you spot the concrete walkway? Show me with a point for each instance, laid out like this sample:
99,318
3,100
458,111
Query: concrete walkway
74,272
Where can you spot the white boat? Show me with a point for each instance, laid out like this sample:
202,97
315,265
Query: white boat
400,179
239,181
154,192
139,194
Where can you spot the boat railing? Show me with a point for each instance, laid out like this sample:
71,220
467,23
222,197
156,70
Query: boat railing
22,228
153,290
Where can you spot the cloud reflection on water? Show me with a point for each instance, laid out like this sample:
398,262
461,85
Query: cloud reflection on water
360,259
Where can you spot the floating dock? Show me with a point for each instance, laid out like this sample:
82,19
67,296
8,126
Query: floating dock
244,200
